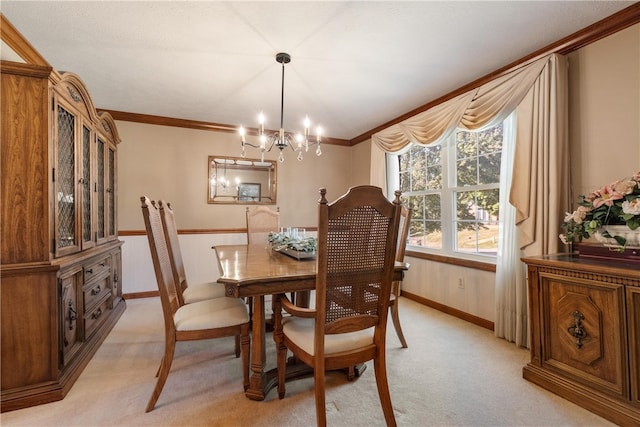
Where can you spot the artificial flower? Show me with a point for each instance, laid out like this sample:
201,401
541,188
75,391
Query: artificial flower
615,204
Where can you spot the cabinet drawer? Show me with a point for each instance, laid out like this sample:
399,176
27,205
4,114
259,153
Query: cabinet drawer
98,268
95,291
95,317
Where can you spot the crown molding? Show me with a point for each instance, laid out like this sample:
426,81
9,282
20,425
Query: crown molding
195,124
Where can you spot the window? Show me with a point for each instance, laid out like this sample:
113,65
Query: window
453,190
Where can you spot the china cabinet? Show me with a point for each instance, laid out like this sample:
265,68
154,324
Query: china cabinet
585,332
61,266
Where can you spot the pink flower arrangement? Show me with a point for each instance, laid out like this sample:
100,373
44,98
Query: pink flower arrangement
615,204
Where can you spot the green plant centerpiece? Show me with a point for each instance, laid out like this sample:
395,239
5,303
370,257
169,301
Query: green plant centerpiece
293,244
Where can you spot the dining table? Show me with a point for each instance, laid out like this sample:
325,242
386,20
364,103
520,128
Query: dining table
253,271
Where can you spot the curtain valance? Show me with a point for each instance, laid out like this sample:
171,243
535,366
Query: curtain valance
487,105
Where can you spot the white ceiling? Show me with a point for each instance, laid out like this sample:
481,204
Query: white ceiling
355,65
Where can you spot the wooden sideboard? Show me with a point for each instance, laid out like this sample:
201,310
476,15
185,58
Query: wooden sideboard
585,333
60,289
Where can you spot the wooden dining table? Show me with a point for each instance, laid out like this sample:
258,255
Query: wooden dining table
253,271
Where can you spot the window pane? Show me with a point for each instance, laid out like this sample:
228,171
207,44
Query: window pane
466,236
418,180
432,208
489,168
467,172
427,234
480,238
465,205
488,202
490,140
434,177
425,228
466,144
404,181
416,204
477,221
404,162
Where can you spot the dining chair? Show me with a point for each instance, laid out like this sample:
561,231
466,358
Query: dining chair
403,232
207,319
261,220
187,293
357,237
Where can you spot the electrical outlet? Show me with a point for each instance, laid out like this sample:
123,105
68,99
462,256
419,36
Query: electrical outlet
460,283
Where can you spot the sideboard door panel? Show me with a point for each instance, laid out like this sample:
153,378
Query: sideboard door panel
584,323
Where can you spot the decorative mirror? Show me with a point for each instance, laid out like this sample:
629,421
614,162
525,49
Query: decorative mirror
235,180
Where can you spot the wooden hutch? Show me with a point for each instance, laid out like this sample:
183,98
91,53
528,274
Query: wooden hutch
60,288
585,332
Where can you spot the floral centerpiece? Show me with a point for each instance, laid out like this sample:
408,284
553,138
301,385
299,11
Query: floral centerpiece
615,204
292,243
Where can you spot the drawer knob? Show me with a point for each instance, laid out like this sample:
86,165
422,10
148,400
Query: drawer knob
96,291
96,314
90,270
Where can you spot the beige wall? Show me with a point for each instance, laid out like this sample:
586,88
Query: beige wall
361,154
604,111
171,163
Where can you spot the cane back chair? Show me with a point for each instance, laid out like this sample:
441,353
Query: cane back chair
357,237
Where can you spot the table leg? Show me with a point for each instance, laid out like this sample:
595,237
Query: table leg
256,382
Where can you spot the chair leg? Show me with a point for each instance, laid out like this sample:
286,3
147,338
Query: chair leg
380,369
245,343
167,359
395,316
160,367
238,352
319,386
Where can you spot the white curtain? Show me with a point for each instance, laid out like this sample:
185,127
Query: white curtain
539,185
511,290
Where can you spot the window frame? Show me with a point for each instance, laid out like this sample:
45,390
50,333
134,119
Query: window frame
448,214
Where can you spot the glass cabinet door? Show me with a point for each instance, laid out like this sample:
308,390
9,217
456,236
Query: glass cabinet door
112,230
88,238
66,225
100,192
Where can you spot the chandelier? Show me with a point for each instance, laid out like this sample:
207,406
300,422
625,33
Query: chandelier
281,139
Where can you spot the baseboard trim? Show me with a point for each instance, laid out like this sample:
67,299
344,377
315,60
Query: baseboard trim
450,310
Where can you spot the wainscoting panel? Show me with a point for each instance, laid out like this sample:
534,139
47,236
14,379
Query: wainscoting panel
199,259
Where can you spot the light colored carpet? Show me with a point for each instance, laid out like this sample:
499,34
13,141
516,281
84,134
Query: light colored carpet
453,374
